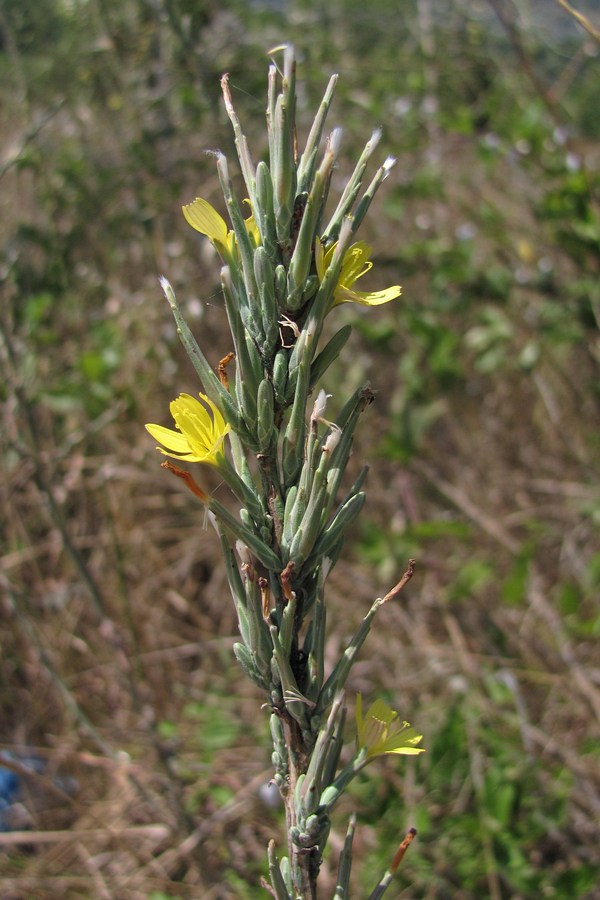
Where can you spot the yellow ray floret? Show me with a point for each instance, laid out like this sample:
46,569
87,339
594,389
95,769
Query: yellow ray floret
355,264
382,731
204,218
201,433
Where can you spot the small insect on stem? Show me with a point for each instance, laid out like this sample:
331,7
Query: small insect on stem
222,369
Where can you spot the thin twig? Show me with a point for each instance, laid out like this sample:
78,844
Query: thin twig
30,135
580,19
410,570
13,838
386,880
408,839
524,58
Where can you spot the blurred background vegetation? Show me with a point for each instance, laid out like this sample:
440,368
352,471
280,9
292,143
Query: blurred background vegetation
117,676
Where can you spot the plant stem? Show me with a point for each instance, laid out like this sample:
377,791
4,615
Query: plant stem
304,862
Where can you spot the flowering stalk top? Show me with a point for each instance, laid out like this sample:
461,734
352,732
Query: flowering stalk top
284,268
201,431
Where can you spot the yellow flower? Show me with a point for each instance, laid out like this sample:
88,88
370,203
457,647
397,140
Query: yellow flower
382,731
204,218
201,431
355,264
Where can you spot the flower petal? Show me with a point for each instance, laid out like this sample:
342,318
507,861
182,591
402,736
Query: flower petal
172,440
356,263
381,711
323,257
220,424
205,219
404,751
252,229
366,298
382,731
406,737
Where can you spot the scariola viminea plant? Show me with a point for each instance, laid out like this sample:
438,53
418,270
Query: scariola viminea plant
287,263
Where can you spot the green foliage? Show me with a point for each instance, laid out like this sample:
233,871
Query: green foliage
217,727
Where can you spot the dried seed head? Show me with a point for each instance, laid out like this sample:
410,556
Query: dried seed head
333,438
319,407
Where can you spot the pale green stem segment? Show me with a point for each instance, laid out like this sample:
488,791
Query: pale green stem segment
342,887
308,161
293,443
313,784
302,256
244,243
264,212
243,151
239,459
382,887
314,644
255,653
211,384
329,354
243,492
244,534
333,752
324,298
333,792
265,279
277,879
337,679
283,165
351,190
248,372
295,702
367,198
